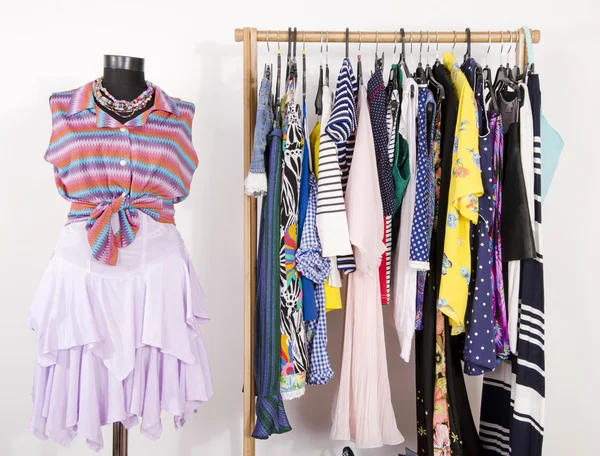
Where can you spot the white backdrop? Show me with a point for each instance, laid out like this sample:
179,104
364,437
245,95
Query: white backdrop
48,46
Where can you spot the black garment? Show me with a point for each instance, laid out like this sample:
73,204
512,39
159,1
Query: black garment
464,438
508,105
425,344
517,233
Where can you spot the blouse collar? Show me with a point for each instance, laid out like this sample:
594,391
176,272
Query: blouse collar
83,100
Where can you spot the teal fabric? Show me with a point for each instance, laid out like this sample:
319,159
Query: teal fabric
552,144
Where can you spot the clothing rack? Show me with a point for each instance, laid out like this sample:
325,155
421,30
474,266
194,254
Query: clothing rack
250,37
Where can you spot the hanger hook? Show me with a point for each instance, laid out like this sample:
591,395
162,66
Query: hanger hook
468,33
487,54
421,47
509,47
403,38
303,42
327,48
278,45
376,42
428,41
359,40
267,40
454,43
437,46
395,44
321,52
347,42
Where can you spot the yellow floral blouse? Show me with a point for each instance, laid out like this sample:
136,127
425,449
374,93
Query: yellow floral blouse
463,203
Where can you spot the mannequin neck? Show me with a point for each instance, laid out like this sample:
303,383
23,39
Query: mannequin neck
124,84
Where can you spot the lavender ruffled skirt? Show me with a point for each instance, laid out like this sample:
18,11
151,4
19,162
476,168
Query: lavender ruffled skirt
118,343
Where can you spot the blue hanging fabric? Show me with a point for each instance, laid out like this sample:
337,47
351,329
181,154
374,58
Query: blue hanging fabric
552,142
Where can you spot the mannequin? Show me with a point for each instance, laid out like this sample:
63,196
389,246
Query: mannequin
124,79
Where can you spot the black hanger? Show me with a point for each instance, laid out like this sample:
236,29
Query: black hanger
347,42
419,75
402,60
327,59
501,73
359,73
504,78
378,61
319,97
486,75
393,79
393,83
295,41
429,78
509,70
277,102
468,53
294,61
437,51
268,67
303,69
289,55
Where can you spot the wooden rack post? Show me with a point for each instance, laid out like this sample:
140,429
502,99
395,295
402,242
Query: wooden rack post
250,37
250,85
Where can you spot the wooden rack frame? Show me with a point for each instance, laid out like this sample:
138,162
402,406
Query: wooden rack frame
250,37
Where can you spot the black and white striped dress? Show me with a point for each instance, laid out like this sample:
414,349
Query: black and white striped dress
512,410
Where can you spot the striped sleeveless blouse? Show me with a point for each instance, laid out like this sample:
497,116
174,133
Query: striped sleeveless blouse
105,167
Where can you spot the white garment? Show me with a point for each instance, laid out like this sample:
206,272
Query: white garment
362,410
404,277
335,280
332,222
514,267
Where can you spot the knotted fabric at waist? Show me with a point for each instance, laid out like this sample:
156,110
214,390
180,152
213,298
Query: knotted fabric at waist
103,241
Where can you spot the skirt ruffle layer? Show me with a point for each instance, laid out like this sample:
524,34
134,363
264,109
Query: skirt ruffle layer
118,347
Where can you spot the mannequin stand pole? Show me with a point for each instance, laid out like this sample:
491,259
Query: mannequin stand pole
119,440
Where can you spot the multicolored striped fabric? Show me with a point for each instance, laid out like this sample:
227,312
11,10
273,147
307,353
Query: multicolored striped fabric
105,167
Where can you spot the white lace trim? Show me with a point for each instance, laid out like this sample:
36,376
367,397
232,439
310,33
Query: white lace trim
256,184
289,395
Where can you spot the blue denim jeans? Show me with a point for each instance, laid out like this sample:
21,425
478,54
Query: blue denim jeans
262,128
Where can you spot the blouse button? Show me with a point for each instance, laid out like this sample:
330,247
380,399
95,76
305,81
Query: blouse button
122,163
123,129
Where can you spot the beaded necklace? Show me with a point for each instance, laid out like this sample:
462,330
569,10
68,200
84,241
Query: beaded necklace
123,108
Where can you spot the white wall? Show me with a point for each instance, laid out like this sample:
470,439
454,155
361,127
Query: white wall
56,45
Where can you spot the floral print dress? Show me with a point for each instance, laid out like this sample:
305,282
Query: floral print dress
294,356
463,205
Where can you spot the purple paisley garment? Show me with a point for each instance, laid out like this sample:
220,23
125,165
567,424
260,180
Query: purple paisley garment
498,296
